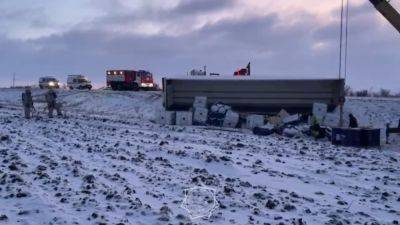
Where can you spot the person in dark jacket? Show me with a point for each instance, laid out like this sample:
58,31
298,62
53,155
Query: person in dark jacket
27,102
353,121
51,99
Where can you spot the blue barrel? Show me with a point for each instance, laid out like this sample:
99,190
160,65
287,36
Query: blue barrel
347,137
371,137
337,136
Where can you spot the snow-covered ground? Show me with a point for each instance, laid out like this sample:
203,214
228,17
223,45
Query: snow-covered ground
109,164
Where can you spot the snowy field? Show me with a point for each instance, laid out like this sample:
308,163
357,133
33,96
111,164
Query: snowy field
107,163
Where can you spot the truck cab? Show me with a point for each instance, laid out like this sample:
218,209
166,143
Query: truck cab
48,82
241,72
78,82
146,79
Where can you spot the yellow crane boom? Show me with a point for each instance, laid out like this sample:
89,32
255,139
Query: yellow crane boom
388,11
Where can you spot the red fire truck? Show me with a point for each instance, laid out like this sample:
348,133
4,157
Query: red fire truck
243,72
130,80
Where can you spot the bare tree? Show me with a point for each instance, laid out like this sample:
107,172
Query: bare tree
384,93
348,91
362,93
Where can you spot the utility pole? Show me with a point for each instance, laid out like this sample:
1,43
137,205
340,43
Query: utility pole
13,82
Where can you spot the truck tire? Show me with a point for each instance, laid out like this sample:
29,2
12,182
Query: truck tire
119,87
136,87
71,88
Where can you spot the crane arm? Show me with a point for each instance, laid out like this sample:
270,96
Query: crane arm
388,11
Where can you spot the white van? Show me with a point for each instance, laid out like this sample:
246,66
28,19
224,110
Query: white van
48,82
78,82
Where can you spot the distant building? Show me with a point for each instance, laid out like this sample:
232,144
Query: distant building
196,72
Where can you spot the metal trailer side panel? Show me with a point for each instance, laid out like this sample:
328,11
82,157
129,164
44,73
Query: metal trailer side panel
266,96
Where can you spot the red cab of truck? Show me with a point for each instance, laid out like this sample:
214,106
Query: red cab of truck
243,72
130,80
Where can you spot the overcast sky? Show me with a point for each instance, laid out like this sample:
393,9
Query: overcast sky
170,37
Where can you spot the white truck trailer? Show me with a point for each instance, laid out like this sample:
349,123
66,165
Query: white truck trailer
255,95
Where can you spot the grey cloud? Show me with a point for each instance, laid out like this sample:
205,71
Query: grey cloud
361,21
191,7
223,47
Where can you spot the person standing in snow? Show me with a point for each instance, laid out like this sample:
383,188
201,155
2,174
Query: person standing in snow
353,121
27,102
51,99
315,129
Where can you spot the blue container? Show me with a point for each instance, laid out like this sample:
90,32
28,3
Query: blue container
371,137
347,137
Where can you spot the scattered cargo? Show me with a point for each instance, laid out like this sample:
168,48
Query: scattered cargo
333,120
346,137
265,130
275,120
166,117
292,119
200,102
319,111
200,116
184,118
391,130
283,114
217,114
356,137
231,119
291,132
253,121
371,137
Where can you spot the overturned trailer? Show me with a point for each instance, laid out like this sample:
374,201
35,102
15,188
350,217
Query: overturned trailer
255,95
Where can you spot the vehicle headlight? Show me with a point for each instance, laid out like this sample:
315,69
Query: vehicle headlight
52,83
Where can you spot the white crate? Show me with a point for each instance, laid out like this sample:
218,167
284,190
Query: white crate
291,119
283,114
184,118
254,121
166,117
319,111
200,102
200,116
231,119
333,120
275,120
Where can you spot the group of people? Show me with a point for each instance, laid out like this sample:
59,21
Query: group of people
51,100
